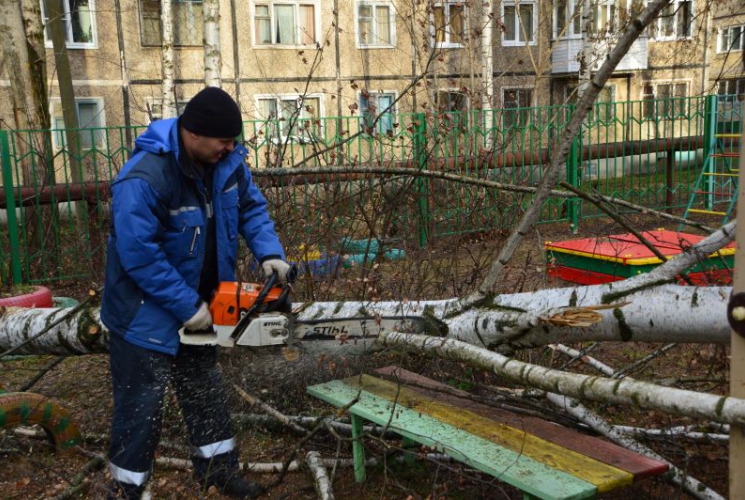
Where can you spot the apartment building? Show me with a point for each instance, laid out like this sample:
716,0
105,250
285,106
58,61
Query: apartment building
323,58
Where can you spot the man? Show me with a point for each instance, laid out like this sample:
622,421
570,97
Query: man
178,206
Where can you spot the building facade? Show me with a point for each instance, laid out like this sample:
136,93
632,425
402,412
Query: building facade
326,58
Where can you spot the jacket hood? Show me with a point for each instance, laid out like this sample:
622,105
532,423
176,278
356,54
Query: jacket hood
160,137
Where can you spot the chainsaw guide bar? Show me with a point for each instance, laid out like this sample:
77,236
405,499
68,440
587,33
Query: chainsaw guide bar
240,318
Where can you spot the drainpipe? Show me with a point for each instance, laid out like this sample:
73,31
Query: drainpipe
704,59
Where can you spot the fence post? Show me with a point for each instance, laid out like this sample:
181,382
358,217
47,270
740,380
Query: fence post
573,178
710,124
710,140
420,155
10,208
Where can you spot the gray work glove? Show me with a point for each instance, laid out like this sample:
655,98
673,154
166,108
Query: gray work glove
271,265
202,320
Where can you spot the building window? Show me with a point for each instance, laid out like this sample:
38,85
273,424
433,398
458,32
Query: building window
675,21
287,23
188,23
734,87
516,104
604,107
449,101
731,93
291,117
605,15
518,19
568,18
79,21
731,39
154,110
664,100
377,105
90,122
375,25
452,107
448,24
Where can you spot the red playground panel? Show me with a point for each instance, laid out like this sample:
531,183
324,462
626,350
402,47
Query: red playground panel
591,261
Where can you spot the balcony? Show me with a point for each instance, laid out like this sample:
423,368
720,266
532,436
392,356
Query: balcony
564,58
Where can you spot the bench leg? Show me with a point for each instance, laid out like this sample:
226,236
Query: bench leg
409,446
358,449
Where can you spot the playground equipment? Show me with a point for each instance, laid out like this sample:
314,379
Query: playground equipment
26,408
592,261
715,192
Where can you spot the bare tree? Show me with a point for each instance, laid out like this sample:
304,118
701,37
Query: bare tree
212,54
169,86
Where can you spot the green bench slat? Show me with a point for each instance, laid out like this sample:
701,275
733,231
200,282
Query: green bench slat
609,453
506,465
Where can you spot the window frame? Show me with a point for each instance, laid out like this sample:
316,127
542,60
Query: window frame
610,8
160,24
658,28
282,136
391,24
296,13
518,25
65,5
446,6
449,91
731,48
391,114
59,140
457,119
571,20
737,82
655,93
529,113
570,96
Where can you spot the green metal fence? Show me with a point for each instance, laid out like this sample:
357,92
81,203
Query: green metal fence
647,152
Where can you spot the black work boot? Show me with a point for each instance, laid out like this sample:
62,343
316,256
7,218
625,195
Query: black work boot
222,472
234,485
124,491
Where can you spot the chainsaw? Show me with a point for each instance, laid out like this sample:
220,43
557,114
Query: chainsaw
244,314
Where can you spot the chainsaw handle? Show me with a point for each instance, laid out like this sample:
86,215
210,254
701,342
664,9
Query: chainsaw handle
270,282
289,280
256,307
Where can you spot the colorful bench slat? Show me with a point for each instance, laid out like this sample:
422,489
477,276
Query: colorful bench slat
530,476
605,477
633,463
543,459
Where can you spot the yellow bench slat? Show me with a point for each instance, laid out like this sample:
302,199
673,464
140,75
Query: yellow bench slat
604,476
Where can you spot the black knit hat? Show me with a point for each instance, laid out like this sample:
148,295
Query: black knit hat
212,113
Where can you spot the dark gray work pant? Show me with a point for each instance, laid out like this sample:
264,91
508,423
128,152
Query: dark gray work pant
139,378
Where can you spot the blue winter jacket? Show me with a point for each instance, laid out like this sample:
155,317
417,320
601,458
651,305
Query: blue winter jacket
157,239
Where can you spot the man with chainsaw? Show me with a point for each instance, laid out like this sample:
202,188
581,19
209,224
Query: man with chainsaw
178,206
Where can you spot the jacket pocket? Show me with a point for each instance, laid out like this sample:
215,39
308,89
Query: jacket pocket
184,238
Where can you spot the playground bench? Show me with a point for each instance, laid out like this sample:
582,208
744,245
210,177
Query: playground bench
541,458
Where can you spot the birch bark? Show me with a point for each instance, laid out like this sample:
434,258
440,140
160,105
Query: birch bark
169,86
212,55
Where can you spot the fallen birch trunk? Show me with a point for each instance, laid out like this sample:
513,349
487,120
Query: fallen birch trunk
691,485
667,313
672,432
294,466
721,409
338,426
320,476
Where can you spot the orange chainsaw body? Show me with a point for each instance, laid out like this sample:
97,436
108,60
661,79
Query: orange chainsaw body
223,305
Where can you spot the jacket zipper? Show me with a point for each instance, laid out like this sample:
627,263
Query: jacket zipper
197,232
